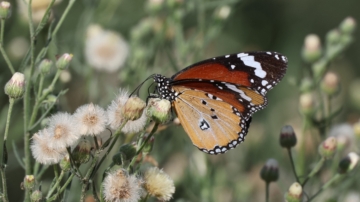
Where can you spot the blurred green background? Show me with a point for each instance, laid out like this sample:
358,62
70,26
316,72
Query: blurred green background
272,25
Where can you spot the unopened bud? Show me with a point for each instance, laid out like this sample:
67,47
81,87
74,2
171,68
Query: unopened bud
307,103
330,83
306,85
81,153
294,194
270,171
159,110
287,137
64,61
312,48
154,5
348,163
348,25
5,10
327,148
133,108
65,163
333,36
128,150
15,87
36,196
45,66
29,182
223,12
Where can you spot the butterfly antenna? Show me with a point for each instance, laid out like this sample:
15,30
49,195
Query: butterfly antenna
139,86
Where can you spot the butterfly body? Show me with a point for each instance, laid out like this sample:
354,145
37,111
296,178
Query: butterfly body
215,98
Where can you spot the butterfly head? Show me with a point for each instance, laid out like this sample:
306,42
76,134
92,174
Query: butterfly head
164,87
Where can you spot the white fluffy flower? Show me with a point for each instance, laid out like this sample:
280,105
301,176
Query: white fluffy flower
105,50
42,151
121,187
62,130
91,119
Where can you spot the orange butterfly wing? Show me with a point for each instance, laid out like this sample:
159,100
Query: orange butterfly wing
212,124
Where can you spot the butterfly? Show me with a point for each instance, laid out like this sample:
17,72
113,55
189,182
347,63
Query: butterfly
215,98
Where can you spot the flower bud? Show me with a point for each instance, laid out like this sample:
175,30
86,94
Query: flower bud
348,163
133,108
307,103
159,110
65,163
270,171
312,48
294,194
223,12
5,10
45,66
327,148
333,36
348,25
29,182
154,6
126,152
330,83
36,196
64,61
15,87
287,137
306,85
81,153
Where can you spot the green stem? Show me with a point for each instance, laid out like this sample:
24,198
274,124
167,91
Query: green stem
41,96
117,134
55,185
45,49
4,191
3,52
292,164
326,185
143,145
86,179
316,169
267,191
62,188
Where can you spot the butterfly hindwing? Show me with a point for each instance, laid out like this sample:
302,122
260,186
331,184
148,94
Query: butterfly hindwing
213,125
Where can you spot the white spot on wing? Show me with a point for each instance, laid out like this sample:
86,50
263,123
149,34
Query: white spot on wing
269,53
242,55
277,57
250,61
242,94
226,56
264,82
232,66
252,80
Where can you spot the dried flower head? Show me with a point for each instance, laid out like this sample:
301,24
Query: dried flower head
43,152
91,119
133,108
116,117
105,50
119,186
63,131
158,184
